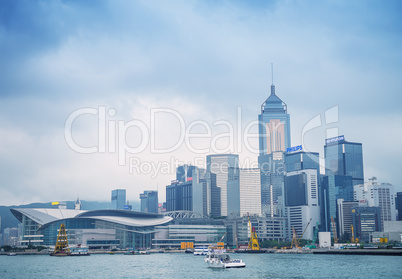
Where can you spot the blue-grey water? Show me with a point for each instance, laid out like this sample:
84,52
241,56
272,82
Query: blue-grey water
177,265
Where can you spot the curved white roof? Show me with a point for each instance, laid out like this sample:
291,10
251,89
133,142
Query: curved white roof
45,216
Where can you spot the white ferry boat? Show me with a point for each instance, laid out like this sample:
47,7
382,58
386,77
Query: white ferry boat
79,251
221,259
201,251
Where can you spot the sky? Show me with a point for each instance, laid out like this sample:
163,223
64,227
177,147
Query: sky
104,95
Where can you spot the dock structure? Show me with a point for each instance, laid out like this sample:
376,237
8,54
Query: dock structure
373,252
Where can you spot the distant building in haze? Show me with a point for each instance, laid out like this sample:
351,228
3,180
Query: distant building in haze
189,195
149,201
184,173
77,204
118,199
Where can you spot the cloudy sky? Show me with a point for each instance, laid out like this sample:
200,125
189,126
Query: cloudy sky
101,95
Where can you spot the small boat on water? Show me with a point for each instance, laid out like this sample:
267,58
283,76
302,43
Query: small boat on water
137,252
79,251
220,259
201,251
12,254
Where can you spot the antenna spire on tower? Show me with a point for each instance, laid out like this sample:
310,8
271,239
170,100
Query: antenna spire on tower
272,71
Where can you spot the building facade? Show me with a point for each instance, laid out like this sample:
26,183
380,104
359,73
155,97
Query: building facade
344,158
188,195
344,217
366,220
149,201
96,228
334,187
118,199
244,192
274,139
274,125
377,195
220,165
399,205
302,202
171,236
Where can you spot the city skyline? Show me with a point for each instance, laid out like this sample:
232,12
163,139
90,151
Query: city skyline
340,61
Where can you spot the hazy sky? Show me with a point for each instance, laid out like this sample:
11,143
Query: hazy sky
152,68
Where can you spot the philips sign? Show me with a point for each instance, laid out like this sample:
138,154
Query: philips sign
294,148
335,139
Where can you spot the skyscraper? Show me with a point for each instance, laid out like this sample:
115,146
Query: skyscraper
220,165
118,199
188,195
149,201
274,125
344,217
184,173
365,221
77,205
344,158
373,194
398,205
301,201
334,187
274,139
244,192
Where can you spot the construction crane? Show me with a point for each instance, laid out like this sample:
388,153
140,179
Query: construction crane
312,245
253,243
295,239
305,228
334,229
61,247
353,239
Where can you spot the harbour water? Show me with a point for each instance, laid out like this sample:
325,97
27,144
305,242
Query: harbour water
178,265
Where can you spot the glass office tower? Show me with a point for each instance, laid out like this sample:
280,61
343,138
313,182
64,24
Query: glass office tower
344,158
118,199
220,165
149,201
274,139
274,125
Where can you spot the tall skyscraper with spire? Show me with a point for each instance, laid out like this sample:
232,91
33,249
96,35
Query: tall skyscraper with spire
274,125
274,139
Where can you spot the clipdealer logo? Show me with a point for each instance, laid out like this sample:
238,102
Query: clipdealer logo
112,134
